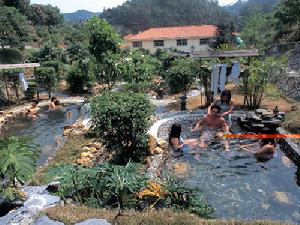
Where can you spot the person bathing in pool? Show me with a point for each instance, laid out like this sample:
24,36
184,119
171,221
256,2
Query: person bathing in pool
54,104
212,125
264,149
177,143
32,111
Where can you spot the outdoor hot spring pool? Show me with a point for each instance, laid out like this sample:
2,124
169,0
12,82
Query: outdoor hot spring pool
238,186
46,129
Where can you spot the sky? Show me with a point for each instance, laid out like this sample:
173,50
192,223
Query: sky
67,6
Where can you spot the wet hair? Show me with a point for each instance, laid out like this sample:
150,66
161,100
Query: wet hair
266,141
56,102
226,93
53,99
215,107
175,131
36,102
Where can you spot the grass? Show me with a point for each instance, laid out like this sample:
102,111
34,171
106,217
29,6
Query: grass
70,151
71,214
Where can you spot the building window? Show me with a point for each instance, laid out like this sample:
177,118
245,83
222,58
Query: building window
137,44
181,42
158,43
204,41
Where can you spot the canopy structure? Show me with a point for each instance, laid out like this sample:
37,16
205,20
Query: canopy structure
16,66
225,54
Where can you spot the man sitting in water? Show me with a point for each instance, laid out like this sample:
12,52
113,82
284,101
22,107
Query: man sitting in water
212,125
32,111
54,104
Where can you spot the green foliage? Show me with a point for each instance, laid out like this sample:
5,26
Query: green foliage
141,87
45,15
183,198
77,51
46,78
49,52
288,20
255,79
138,67
10,78
31,90
256,28
21,5
81,76
10,56
125,187
180,76
103,38
158,13
122,120
14,30
18,157
106,185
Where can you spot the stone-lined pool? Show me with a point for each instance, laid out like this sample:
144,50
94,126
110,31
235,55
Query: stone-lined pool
238,186
46,129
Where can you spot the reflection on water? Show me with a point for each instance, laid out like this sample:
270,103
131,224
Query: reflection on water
46,129
238,186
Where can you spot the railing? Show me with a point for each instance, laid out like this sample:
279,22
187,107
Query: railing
278,49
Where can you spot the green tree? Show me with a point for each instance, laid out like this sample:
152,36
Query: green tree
45,15
46,78
22,5
288,20
255,28
103,38
180,75
122,121
14,30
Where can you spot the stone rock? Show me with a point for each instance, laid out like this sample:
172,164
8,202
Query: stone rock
158,150
38,202
93,150
261,111
286,161
67,132
152,144
86,149
282,197
180,169
44,220
94,222
162,143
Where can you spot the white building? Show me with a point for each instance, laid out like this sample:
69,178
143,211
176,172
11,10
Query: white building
184,38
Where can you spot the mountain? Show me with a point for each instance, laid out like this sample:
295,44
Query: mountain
244,7
138,15
79,15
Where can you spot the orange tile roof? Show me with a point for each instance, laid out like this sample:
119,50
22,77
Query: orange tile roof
192,31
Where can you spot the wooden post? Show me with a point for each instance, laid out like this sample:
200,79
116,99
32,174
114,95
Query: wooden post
37,86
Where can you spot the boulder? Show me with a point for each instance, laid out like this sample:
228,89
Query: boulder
158,150
152,144
44,220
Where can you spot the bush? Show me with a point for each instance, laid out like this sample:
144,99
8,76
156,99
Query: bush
10,56
31,90
18,157
180,75
45,77
80,76
122,121
141,87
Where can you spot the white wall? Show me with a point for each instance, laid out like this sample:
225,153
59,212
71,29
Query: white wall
173,44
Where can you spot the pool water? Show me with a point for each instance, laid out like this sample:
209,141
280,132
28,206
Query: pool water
237,185
46,129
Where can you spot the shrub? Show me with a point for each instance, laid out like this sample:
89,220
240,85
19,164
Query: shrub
80,76
45,77
31,90
18,157
10,56
180,75
141,87
122,120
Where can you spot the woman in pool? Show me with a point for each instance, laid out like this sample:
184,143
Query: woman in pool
54,104
32,111
265,149
226,105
